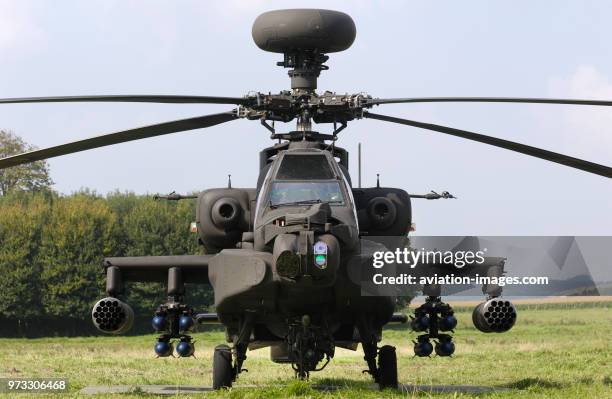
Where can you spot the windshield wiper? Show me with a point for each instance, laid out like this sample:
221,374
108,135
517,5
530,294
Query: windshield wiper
304,202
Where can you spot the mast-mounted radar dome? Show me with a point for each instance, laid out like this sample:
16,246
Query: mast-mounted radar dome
304,36
324,31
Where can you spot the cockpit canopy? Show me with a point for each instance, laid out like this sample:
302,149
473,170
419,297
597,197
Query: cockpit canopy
305,179
305,167
296,192
297,183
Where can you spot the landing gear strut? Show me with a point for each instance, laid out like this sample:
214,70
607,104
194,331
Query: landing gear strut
227,363
384,372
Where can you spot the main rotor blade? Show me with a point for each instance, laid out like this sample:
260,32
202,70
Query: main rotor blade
378,101
509,145
119,137
131,99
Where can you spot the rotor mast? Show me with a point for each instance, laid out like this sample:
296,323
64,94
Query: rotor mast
307,66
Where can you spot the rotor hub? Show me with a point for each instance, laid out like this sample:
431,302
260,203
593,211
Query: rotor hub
306,107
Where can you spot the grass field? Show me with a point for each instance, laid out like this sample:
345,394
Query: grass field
556,350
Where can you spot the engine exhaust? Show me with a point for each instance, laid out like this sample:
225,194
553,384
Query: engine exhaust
494,315
112,316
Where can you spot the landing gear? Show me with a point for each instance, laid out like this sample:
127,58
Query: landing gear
227,362
384,372
223,372
227,365
387,367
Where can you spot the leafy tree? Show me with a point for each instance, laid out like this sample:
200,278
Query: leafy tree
159,228
20,231
51,247
74,239
31,177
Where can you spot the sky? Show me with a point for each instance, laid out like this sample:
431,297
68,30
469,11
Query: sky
403,49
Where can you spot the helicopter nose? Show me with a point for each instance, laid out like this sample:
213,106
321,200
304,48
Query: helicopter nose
306,254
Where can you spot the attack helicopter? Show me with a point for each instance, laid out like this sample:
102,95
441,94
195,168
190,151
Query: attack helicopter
280,256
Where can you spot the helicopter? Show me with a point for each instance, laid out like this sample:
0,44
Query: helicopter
281,256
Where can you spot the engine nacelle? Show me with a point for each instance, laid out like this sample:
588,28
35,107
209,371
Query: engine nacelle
222,215
495,315
383,211
112,316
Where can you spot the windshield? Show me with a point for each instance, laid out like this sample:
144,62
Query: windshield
307,192
304,167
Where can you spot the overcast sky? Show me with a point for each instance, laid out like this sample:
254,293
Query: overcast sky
403,48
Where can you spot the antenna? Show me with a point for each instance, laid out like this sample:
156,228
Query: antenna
359,164
229,181
378,180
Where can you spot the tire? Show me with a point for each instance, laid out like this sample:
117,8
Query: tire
387,367
222,367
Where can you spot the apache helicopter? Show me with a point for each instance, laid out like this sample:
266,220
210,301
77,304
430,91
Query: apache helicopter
280,255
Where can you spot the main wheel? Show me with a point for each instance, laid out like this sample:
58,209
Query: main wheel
222,367
387,367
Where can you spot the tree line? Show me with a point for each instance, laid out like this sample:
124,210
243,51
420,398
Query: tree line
52,246
51,251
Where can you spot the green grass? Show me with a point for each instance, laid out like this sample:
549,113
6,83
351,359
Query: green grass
554,351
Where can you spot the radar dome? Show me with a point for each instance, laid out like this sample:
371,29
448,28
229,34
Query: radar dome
287,31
